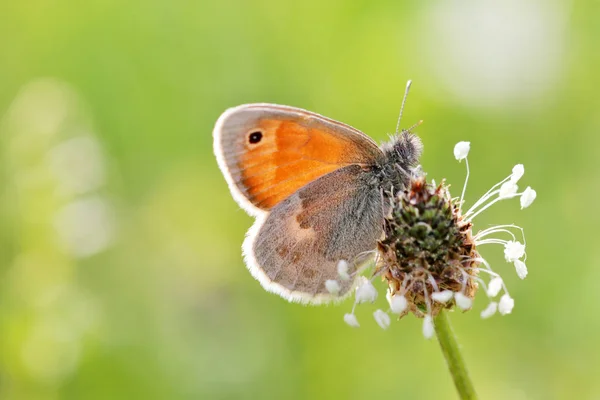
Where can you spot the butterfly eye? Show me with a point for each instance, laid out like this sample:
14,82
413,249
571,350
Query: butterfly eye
255,137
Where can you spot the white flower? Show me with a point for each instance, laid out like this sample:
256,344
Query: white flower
332,286
521,269
397,302
528,197
508,189
383,320
513,250
351,320
365,291
461,150
494,286
342,270
489,310
517,172
428,329
506,304
443,296
462,301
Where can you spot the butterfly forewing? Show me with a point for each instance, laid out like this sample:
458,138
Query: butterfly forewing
267,152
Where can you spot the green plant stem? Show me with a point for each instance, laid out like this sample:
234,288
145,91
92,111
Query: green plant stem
454,359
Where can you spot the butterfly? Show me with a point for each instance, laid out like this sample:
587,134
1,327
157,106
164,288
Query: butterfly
319,190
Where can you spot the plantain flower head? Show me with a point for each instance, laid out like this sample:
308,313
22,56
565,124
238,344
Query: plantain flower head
429,257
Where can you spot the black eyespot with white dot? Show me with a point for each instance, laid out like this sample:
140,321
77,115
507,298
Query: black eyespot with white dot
255,137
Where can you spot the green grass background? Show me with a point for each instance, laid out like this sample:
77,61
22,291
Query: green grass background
168,310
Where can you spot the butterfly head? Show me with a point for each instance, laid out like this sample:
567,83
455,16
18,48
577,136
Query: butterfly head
404,149
401,156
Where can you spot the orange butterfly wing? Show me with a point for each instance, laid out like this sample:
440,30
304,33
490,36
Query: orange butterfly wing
267,152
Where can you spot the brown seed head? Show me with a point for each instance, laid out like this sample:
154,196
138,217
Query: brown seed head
427,248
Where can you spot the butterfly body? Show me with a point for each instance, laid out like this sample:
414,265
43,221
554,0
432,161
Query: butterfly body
318,188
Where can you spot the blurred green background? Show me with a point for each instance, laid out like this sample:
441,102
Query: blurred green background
120,267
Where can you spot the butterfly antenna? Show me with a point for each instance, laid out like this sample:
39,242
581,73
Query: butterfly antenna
402,107
415,125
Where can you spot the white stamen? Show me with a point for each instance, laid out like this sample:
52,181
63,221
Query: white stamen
488,267
397,302
497,229
342,269
351,320
513,250
461,150
332,286
500,228
506,304
492,241
479,280
462,301
428,328
517,172
489,310
431,280
508,190
490,193
443,296
462,195
494,286
493,230
365,291
382,319
521,269
528,197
